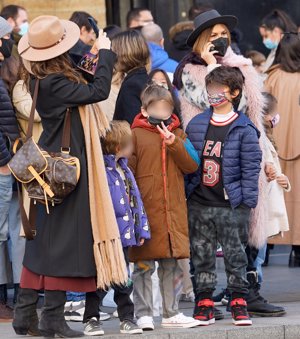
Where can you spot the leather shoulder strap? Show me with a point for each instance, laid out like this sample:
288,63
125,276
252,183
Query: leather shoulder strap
66,136
33,106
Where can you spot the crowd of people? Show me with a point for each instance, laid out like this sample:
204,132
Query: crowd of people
180,158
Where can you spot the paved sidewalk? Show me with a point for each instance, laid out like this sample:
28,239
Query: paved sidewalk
281,286
287,327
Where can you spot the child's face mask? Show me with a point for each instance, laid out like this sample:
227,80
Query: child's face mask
158,112
217,99
157,122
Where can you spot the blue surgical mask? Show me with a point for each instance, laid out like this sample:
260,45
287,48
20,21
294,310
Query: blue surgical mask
270,44
24,28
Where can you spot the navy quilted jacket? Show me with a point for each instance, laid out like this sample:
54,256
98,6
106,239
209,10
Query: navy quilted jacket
241,158
9,130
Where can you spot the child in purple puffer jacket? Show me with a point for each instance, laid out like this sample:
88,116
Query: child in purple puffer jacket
130,213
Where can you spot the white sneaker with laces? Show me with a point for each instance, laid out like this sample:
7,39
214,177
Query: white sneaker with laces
179,321
146,323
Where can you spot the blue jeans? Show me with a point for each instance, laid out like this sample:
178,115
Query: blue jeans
259,261
75,296
10,223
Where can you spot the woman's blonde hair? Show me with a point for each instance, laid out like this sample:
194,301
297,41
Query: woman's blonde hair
204,37
119,135
132,51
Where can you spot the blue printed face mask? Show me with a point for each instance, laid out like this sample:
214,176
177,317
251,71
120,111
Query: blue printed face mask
270,44
24,28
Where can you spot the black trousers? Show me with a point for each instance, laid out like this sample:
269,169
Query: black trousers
122,298
207,226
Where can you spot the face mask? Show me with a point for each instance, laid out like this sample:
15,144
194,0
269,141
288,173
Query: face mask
220,45
275,120
217,99
6,48
157,122
270,44
24,28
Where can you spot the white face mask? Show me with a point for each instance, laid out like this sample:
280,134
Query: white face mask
24,28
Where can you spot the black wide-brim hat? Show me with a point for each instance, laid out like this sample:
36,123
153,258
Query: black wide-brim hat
208,19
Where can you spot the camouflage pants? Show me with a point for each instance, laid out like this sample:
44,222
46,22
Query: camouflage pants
208,226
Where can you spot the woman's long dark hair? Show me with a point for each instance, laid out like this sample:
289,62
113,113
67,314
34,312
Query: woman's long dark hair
177,109
280,19
288,53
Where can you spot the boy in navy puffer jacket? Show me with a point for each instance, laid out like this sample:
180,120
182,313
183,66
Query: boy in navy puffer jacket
222,192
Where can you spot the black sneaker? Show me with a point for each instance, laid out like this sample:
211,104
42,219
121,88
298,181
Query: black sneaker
93,327
130,327
240,316
222,298
218,314
204,312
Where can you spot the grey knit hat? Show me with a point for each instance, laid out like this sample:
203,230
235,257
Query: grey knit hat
5,27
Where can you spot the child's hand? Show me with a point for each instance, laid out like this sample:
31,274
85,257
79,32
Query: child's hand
169,137
142,241
283,181
270,172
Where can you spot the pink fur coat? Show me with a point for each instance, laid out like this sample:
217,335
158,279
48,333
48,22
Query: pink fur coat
193,98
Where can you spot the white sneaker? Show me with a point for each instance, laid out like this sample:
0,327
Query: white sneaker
115,314
180,321
146,323
104,316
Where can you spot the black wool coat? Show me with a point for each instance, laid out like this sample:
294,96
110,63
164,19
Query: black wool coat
63,246
129,103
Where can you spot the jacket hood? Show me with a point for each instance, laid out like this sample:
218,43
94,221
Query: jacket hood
141,121
110,161
158,55
185,26
180,38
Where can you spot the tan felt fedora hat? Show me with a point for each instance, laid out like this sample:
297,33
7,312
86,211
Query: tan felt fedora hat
47,38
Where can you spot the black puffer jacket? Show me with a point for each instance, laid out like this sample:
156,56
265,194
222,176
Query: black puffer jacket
9,130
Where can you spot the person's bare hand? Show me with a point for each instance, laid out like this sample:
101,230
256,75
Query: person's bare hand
283,181
4,170
169,137
207,55
270,171
142,241
102,42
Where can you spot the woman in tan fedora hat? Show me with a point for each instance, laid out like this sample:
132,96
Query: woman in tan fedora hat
61,257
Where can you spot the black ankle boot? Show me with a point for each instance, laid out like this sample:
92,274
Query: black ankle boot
52,319
16,291
256,304
25,316
3,293
294,260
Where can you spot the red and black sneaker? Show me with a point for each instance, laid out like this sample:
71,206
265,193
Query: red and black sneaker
204,312
240,316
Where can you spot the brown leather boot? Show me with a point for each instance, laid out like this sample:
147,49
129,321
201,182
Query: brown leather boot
6,313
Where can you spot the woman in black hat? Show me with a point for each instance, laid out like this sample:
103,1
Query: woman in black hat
210,42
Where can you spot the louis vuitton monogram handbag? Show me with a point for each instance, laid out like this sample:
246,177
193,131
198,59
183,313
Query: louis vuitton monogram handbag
47,177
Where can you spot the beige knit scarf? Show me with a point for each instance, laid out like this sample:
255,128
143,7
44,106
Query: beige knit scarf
108,252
